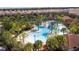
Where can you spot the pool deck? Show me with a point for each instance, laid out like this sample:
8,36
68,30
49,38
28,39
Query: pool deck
31,38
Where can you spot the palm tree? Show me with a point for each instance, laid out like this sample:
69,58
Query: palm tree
51,43
63,30
38,44
7,25
7,36
23,36
16,27
61,41
18,16
59,18
55,43
51,26
40,17
18,46
74,28
28,47
37,24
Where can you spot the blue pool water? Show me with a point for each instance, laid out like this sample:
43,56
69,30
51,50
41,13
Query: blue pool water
43,31
40,34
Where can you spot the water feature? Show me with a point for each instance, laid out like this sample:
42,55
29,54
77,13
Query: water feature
41,34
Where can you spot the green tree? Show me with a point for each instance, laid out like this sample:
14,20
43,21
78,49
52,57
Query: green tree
18,16
38,44
59,18
28,47
51,26
63,30
23,35
8,41
40,17
16,27
18,46
54,43
61,41
7,25
74,28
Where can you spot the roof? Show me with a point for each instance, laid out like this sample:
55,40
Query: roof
73,40
66,17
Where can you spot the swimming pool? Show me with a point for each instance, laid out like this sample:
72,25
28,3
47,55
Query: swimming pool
40,33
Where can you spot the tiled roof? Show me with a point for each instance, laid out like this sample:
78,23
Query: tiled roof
73,40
